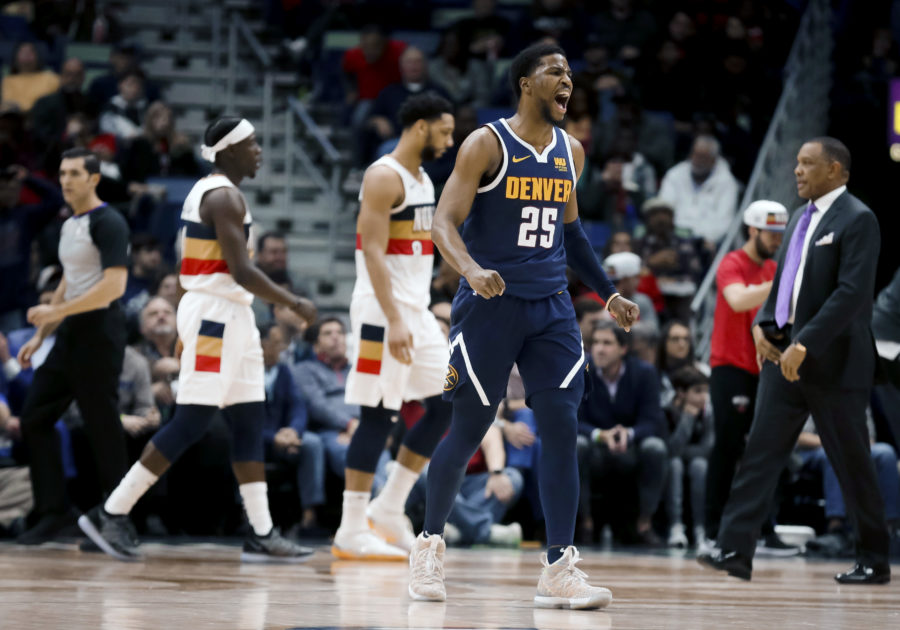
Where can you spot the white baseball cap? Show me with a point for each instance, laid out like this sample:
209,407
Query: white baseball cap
766,215
622,265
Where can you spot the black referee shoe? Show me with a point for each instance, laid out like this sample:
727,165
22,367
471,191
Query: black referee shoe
273,548
112,533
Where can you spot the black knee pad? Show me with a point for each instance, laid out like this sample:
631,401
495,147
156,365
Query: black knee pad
365,448
425,434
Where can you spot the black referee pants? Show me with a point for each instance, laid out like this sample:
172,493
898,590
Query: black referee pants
84,365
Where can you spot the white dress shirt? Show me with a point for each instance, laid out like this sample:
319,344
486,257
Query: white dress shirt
822,204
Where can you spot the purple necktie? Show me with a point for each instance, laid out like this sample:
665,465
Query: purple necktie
791,265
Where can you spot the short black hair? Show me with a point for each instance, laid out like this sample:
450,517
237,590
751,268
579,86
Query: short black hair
264,329
834,150
618,331
427,106
312,333
261,241
144,240
91,162
686,377
585,305
133,72
527,61
219,128
374,29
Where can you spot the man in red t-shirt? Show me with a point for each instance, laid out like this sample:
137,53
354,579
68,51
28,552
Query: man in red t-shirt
368,69
744,279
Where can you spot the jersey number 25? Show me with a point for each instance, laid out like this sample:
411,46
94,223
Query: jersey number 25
532,218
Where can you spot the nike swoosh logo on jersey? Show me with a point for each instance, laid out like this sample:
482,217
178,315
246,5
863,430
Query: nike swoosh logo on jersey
519,159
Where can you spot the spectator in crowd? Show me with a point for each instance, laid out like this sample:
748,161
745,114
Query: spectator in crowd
620,426
272,252
158,347
123,57
414,79
287,442
15,481
489,489
672,258
655,140
588,312
293,332
645,342
691,436
167,287
445,283
20,223
886,329
598,81
146,267
670,81
624,269
16,143
622,241
837,540
743,281
676,350
322,381
159,151
48,116
466,78
702,191
483,35
563,22
368,69
28,80
627,29
612,197
123,115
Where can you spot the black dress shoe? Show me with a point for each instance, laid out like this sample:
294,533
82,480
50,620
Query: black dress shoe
732,562
865,574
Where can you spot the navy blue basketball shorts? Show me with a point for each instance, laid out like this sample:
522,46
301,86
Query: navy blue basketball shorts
487,336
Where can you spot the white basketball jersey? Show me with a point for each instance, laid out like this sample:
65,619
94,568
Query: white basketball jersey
410,252
203,266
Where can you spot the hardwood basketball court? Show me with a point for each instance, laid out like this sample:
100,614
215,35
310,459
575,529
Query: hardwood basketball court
205,586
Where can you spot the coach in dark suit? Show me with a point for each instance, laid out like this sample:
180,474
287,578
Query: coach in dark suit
814,336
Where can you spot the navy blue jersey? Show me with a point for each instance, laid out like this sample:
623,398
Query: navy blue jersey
516,223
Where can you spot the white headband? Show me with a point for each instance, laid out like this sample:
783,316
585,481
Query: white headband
238,134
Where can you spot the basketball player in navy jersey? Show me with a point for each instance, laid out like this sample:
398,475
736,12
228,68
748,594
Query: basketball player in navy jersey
513,192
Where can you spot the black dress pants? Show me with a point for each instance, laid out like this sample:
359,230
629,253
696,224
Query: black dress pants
781,411
84,365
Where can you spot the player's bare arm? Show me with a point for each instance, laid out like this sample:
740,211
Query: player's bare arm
382,191
583,259
223,208
479,155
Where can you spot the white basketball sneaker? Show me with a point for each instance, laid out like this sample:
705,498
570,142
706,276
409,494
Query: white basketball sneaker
426,569
391,525
562,585
364,545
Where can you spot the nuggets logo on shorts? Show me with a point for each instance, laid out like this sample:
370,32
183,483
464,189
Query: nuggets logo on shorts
451,379
209,346
371,347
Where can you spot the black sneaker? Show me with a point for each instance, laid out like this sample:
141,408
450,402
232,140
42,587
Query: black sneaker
112,533
47,528
273,548
773,547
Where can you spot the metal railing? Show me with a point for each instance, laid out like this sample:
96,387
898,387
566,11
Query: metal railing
239,32
801,113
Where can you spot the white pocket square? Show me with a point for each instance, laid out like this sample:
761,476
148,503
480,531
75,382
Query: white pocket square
828,239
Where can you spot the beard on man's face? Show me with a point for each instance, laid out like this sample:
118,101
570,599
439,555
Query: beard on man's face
761,249
548,117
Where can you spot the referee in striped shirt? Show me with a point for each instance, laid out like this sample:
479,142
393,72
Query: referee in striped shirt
86,359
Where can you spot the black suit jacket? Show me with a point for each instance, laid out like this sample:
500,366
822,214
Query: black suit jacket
834,308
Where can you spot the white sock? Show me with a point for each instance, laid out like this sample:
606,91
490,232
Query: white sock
353,516
132,487
256,504
396,490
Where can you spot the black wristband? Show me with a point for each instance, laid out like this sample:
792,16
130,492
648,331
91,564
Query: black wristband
499,471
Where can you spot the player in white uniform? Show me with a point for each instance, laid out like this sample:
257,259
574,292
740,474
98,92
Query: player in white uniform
400,352
222,364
